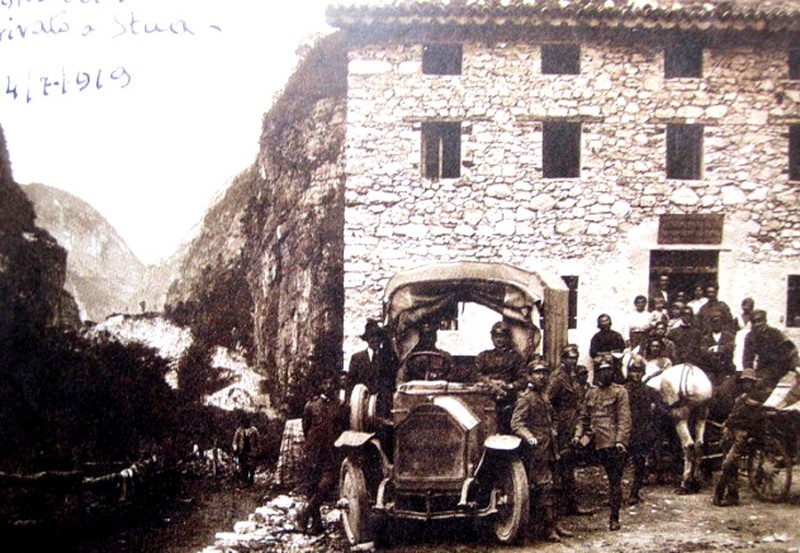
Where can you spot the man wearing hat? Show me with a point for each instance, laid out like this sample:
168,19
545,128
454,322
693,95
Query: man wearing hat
736,431
533,422
502,369
375,367
606,416
565,393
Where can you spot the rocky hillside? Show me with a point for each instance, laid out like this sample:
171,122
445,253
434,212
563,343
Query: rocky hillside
32,269
103,274
264,275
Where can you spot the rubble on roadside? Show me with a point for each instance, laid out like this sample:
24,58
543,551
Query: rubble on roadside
271,527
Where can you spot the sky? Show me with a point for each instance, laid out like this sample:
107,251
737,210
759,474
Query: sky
145,109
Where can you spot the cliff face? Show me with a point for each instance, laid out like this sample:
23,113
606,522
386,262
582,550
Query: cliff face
32,268
103,275
265,273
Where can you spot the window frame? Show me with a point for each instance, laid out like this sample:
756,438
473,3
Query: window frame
556,164
792,300
446,136
441,58
794,152
557,59
683,60
684,161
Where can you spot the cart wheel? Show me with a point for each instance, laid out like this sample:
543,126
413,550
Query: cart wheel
354,502
513,510
769,470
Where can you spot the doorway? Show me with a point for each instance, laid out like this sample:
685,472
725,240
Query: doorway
685,268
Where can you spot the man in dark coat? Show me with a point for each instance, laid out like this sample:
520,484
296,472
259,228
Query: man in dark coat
374,367
419,366
606,416
769,352
607,341
533,422
503,370
645,405
686,338
716,349
712,308
324,418
565,393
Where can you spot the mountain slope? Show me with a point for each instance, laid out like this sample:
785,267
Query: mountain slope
103,274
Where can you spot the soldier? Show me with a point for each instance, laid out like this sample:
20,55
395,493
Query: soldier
645,402
426,367
324,418
503,370
606,416
776,354
565,393
736,431
533,422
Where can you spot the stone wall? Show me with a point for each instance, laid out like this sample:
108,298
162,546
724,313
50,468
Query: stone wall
600,226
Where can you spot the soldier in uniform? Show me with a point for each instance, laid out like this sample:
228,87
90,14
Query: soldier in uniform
645,404
533,422
606,416
565,393
737,428
324,418
426,367
503,370
775,354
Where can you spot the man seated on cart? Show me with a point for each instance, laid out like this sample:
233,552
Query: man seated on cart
742,420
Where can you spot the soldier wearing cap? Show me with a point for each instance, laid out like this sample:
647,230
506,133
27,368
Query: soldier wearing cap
606,416
502,369
565,393
769,352
426,361
646,405
533,422
736,431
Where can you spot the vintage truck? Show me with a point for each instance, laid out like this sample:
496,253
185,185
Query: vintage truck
439,455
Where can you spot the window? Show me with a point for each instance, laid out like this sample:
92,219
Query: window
684,59
684,151
793,301
794,152
441,59
794,63
561,150
561,59
441,150
572,309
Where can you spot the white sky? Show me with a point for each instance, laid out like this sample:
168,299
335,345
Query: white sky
150,156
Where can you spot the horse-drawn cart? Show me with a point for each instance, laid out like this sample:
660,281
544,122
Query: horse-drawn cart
771,452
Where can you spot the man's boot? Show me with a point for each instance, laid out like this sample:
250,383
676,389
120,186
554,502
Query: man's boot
733,496
550,527
302,520
613,521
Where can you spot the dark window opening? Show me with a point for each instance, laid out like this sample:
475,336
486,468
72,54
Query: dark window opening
561,59
441,150
561,150
684,151
794,152
572,313
441,59
793,301
684,59
794,63
685,268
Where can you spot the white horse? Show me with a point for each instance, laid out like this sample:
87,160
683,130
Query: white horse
686,390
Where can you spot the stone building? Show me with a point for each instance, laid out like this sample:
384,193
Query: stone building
606,142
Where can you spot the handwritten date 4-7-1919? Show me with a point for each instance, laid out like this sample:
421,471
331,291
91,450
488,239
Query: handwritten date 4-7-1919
66,81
